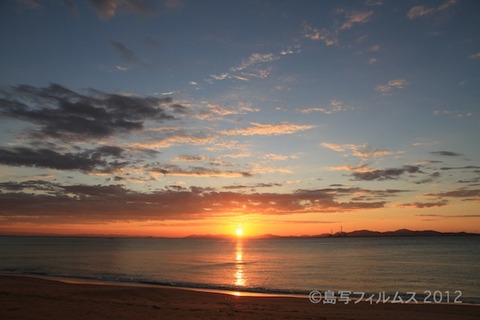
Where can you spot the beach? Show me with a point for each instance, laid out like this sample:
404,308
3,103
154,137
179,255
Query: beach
24,297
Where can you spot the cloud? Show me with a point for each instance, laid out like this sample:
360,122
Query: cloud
242,108
254,59
197,171
459,193
449,216
356,18
48,202
374,2
253,186
106,9
335,106
174,4
249,68
363,151
350,168
423,11
390,85
63,114
180,138
385,174
268,129
421,205
102,159
460,168
419,11
454,113
475,56
275,157
329,38
190,158
125,53
30,4
446,153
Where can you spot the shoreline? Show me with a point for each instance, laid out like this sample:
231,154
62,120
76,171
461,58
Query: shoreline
88,281
243,292
30,297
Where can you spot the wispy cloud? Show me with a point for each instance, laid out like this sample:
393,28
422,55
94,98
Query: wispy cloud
328,37
373,2
242,108
350,168
268,129
475,56
254,59
127,55
335,106
391,85
108,8
252,67
189,158
453,113
180,138
423,11
362,151
30,4
353,18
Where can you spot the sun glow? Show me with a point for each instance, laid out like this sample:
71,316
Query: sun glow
239,232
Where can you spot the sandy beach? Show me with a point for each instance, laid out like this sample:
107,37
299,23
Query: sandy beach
23,297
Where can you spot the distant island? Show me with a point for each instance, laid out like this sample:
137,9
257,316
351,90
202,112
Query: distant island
357,233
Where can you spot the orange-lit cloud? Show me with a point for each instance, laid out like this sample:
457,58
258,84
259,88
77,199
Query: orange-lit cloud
362,151
46,202
268,129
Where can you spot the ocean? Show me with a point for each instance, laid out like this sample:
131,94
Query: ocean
436,269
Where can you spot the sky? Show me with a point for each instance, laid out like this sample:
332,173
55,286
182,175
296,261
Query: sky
177,117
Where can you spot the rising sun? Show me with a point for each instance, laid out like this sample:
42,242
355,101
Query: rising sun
239,232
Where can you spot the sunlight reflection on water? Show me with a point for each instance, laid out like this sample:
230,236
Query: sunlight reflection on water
239,272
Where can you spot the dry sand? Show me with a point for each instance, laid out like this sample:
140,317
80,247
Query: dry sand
24,297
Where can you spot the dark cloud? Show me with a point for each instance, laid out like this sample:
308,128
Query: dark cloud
446,153
430,178
421,205
102,159
64,114
449,216
460,168
460,193
42,201
385,174
174,170
253,186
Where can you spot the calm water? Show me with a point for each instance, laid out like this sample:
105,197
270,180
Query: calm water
268,265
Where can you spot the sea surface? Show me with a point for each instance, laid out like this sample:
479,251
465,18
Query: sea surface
441,268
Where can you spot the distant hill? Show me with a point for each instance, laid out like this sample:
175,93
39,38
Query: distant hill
403,233
357,233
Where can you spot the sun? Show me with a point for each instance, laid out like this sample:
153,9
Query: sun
239,232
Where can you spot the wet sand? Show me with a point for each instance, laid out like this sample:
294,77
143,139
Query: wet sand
23,297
